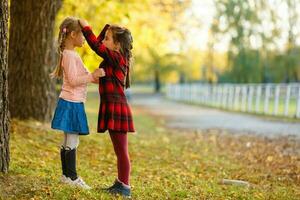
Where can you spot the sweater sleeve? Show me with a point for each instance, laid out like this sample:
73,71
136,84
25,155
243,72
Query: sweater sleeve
101,36
71,67
96,44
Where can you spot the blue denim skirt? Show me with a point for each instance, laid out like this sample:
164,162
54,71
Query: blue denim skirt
70,117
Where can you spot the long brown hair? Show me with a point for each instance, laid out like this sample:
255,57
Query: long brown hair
66,27
124,37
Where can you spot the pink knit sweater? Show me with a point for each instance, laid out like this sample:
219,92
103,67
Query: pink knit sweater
75,77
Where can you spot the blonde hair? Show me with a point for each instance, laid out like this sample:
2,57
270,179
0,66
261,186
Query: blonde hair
124,37
66,27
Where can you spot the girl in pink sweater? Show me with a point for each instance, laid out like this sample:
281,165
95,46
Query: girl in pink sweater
69,114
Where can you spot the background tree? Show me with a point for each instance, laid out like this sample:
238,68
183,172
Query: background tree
235,14
292,60
263,44
153,32
4,114
31,58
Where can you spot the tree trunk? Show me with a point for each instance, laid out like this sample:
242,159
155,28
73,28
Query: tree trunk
31,58
157,81
4,114
182,76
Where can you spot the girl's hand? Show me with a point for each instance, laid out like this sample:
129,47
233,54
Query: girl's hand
83,23
96,81
98,73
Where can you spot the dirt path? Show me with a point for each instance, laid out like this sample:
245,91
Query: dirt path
185,116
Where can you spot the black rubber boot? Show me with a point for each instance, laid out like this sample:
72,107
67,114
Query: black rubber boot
71,164
63,160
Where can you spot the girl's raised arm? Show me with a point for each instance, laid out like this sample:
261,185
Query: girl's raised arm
96,44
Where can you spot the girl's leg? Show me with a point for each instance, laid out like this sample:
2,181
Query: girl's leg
116,149
120,143
71,142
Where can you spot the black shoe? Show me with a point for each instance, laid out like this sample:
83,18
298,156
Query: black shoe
119,188
70,157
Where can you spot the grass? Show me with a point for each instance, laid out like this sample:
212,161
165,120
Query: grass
166,164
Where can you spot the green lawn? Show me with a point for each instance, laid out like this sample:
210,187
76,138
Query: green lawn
166,164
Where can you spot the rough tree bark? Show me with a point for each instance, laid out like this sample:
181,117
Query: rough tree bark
31,58
4,113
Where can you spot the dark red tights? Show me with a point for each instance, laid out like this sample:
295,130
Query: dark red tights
120,143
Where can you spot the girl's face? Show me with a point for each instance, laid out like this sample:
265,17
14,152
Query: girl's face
77,38
109,42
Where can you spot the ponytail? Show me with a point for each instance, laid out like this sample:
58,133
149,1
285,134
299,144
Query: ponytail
128,56
58,71
124,37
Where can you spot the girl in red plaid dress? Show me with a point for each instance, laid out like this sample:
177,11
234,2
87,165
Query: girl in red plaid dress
114,45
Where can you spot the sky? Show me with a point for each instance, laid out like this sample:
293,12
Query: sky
204,10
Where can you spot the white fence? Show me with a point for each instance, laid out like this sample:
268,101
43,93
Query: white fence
268,99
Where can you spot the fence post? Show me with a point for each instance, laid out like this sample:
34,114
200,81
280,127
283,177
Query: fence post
189,97
229,101
180,91
171,91
276,100
257,100
184,92
190,92
177,88
207,94
167,91
215,91
224,96
234,93
250,97
200,93
220,95
237,98
287,100
212,95
194,91
228,96
267,98
298,103
244,97
177,92
216,95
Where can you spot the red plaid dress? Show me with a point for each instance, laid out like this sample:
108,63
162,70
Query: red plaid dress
114,112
